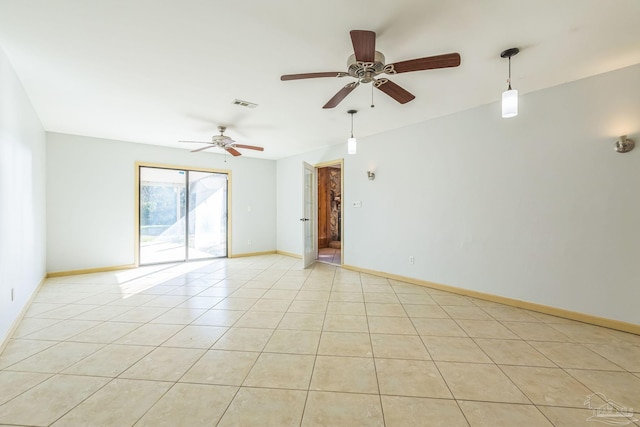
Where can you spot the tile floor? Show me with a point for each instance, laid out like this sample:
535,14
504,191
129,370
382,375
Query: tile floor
329,255
259,341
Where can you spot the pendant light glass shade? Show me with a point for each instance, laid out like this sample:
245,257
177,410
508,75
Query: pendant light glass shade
509,103
351,146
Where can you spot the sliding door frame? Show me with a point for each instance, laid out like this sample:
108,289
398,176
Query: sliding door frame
136,225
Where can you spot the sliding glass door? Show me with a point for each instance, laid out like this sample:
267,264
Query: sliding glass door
167,232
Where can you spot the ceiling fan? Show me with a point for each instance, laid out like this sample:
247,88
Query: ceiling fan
366,63
223,141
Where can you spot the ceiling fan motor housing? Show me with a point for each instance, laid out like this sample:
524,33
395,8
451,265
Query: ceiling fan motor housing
365,71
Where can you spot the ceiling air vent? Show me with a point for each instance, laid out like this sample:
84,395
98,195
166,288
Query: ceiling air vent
244,103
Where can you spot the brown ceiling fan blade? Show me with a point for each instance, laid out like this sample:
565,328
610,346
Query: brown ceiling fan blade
310,75
395,91
342,94
203,148
249,147
364,45
233,151
428,63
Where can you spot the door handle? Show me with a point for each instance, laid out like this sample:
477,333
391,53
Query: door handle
304,219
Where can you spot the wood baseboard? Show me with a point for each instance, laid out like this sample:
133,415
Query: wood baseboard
16,322
540,308
290,254
252,254
90,270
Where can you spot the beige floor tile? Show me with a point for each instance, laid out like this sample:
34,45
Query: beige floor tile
55,359
217,317
424,310
67,311
221,367
193,336
391,325
20,349
302,321
127,401
32,324
346,296
231,303
467,312
380,297
438,327
513,352
140,314
280,294
472,381
179,316
571,355
624,355
486,329
103,313
109,361
403,288
417,412
548,386
313,295
244,339
583,333
485,414
377,288
570,417
342,409
306,306
398,347
455,349
166,301
248,293
293,341
105,333
274,370
265,407
345,323
345,344
511,314
163,364
200,302
452,300
420,299
48,401
38,308
416,378
622,387
192,405
383,309
62,330
150,334
14,383
352,308
260,319
347,374
272,305
535,331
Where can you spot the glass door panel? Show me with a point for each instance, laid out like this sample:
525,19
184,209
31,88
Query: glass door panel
162,215
207,221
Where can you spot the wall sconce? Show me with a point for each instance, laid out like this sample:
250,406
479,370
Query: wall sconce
371,175
509,96
351,142
623,144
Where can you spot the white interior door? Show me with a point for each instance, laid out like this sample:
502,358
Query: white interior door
309,214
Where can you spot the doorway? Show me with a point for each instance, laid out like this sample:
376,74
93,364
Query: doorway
182,215
330,230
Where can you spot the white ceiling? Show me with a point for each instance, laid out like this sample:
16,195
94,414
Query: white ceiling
156,72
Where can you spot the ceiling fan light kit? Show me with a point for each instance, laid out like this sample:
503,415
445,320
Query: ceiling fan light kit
509,96
366,64
224,142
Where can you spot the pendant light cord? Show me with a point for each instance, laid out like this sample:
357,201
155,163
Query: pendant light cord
509,81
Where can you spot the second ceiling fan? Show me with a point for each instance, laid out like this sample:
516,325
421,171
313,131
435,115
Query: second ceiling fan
366,63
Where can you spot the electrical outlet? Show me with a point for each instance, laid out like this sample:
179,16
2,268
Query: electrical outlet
12,294
249,242
412,260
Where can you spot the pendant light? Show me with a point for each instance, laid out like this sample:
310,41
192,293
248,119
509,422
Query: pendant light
351,142
509,96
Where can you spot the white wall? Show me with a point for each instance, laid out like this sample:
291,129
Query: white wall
91,197
22,197
537,208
